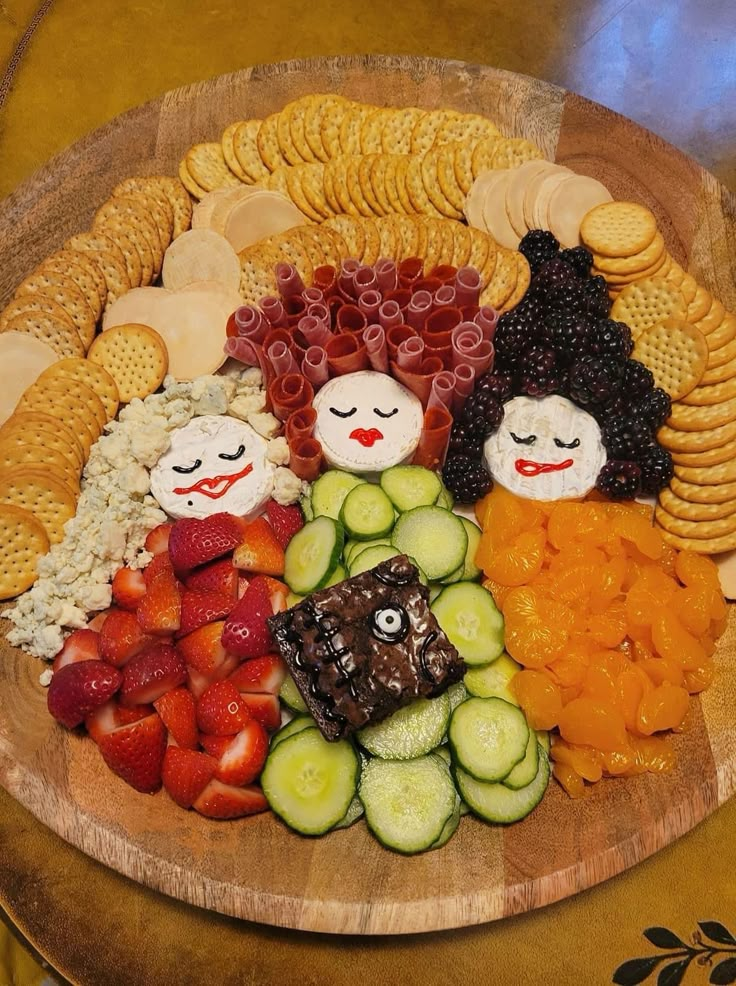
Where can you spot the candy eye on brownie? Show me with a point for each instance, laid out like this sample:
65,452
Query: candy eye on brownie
232,457
343,414
385,414
187,469
390,624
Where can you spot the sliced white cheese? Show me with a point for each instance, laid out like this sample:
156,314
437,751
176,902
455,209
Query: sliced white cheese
22,358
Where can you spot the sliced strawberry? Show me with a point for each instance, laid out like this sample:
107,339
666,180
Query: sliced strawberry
80,645
221,711
263,708
159,612
285,521
202,649
217,576
199,608
128,588
122,637
149,675
278,592
136,752
243,760
216,746
186,773
195,542
243,584
96,623
220,800
199,683
178,710
260,674
157,540
246,632
111,715
77,689
260,551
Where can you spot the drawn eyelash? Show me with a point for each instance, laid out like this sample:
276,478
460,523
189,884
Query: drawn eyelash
385,414
529,440
187,469
343,414
575,443
234,456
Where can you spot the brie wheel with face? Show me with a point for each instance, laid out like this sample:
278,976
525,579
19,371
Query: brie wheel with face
545,448
367,421
214,464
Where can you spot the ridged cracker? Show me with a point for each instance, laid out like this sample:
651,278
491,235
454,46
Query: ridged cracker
64,292
43,495
618,229
647,302
63,338
719,493
675,506
91,375
696,529
23,540
45,429
135,356
675,352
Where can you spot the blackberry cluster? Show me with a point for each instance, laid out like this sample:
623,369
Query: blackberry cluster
560,340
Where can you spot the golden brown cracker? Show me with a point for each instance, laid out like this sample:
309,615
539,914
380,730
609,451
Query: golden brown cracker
618,229
24,541
92,375
646,303
43,495
675,352
135,356
63,338
675,506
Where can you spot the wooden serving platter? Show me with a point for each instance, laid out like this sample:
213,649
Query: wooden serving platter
346,883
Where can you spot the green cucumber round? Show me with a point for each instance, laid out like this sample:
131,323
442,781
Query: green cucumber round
433,536
468,615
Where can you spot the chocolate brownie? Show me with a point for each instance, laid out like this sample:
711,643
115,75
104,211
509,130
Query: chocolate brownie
363,648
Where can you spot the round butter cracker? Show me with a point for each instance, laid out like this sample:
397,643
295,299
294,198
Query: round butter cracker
23,540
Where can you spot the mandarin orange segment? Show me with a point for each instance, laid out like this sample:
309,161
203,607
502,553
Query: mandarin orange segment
700,678
659,670
600,685
652,589
663,708
638,530
631,686
653,753
618,762
585,761
607,584
539,697
575,521
672,641
535,631
570,781
694,608
518,562
584,722
609,628
694,569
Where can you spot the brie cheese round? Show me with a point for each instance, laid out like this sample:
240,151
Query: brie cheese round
214,464
367,421
546,448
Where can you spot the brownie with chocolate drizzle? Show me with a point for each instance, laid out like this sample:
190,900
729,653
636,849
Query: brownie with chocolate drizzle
363,648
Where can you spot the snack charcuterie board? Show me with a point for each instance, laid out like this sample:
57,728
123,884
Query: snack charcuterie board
346,883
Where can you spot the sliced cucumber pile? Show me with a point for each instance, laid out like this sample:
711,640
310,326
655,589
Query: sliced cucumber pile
411,732
468,615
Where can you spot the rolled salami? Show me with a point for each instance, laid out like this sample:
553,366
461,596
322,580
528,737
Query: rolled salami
314,329
374,338
291,392
313,296
487,319
445,273
410,270
346,278
369,302
435,438
295,306
395,336
364,280
469,312
442,320
300,424
469,346
351,319
386,274
281,357
443,391
288,280
335,303
402,297
410,354
305,458
439,344
389,314
346,353
464,383
426,284
444,296
419,383
273,309
314,366
250,322
467,286
418,309
252,354
325,278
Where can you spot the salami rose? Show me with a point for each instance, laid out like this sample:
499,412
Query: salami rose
469,312
467,286
410,270
335,303
419,383
369,302
464,383
295,306
351,319
402,297
250,322
288,280
281,358
314,366
418,309
386,274
395,336
442,320
469,346
273,309
443,391
325,278
374,338
291,392
300,424
444,296
430,284
346,353
389,314
487,319
346,278
305,458
313,296
410,354
435,438
315,329
364,280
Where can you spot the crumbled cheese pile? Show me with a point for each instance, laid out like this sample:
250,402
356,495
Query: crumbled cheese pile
116,511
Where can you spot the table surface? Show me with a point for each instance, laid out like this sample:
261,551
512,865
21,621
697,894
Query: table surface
672,70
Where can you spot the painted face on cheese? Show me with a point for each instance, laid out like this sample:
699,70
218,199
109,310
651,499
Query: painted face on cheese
545,449
367,421
214,464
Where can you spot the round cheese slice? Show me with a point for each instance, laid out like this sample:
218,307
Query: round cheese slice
138,306
477,196
495,215
546,448
200,255
214,464
22,358
517,189
569,203
367,421
532,190
258,216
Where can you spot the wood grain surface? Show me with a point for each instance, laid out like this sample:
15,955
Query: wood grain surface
346,883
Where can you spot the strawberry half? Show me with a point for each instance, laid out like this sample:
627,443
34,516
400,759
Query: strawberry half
221,711
136,752
77,689
218,576
260,550
246,632
178,711
199,608
122,637
112,715
195,542
96,623
152,673
260,674
128,588
220,800
242,760
285,520
263,708
159,612
157,540
80,645
186,773
202,649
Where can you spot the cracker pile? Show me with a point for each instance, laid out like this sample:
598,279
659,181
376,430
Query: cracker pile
332,155
688,340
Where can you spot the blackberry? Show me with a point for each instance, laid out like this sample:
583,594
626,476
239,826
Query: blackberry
657,469
537,246
465,478
498,384
551,279
624,438
538,375
580,259
654,407
638,379
595,380
568,334
481,415
515,333
611,338
619,479
597,302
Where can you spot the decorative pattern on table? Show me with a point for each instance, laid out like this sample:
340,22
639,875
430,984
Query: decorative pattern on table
678,955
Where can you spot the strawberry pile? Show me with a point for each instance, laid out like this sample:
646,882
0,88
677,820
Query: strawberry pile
177,683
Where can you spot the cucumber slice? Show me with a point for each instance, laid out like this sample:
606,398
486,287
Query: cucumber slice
371,557
526,770
468,615
501,804
309,783
353,548
292,598
434,591
329,491
450,826
445,499
410,486
488,737
464,809
435,537
305,503
367,512
354,812
457,694
543,738
443,753
291,696
455,576
407,804
411,732
313,554
295,726
493,679
339,575
470,569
